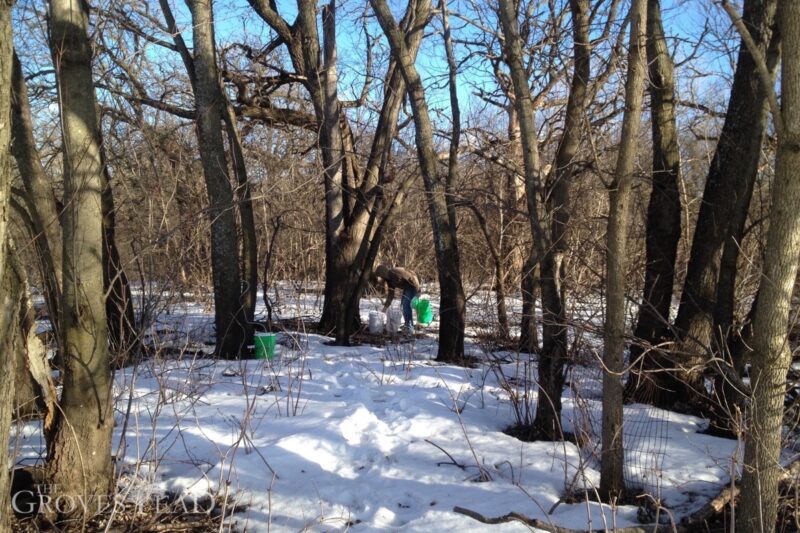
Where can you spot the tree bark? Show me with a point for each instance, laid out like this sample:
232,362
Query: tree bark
612,483
43,209
529,333
122,335
558,199
547,422
35,393
771,355
79,450
246,216
726,198
725,309
528,267
8,305
455,111
663,226
10,298
452,302
340,250
229,313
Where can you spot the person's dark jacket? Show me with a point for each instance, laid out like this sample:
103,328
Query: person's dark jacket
396,279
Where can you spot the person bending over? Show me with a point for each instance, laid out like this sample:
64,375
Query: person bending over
397,278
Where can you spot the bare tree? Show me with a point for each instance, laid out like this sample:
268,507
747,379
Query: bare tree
79,451
8,301
612,483
230,319
122,334
547,423
358,201
707,298
452,301
771,355
40,199
558,202
663,226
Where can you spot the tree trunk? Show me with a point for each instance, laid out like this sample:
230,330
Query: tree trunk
10,298
729,262
558,199
355,212
547,422
342,237
510,246
8,302
246,217
529,333
35,394
79,451
372,211
452,302
122,335
341,247
365,208
43,209
726,198
455,111
612,483
771,352
229,314
653,384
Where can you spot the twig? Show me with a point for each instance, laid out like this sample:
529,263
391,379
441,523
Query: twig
452,461
534,522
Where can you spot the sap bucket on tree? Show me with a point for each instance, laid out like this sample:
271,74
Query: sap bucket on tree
424,311
264,345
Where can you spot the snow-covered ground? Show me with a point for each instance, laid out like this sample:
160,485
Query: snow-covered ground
370,438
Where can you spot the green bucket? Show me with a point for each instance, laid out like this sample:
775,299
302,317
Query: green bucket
424,311
265,345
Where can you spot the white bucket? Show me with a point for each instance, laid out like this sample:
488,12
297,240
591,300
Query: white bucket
376,322
394,319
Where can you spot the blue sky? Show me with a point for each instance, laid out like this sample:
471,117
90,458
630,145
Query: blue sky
684,20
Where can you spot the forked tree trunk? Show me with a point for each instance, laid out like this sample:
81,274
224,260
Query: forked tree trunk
366,211
726,198
452,303
649,381
612,483
8,305
342,239
229,313
771,355
373,211
356,210
547,422
79,451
